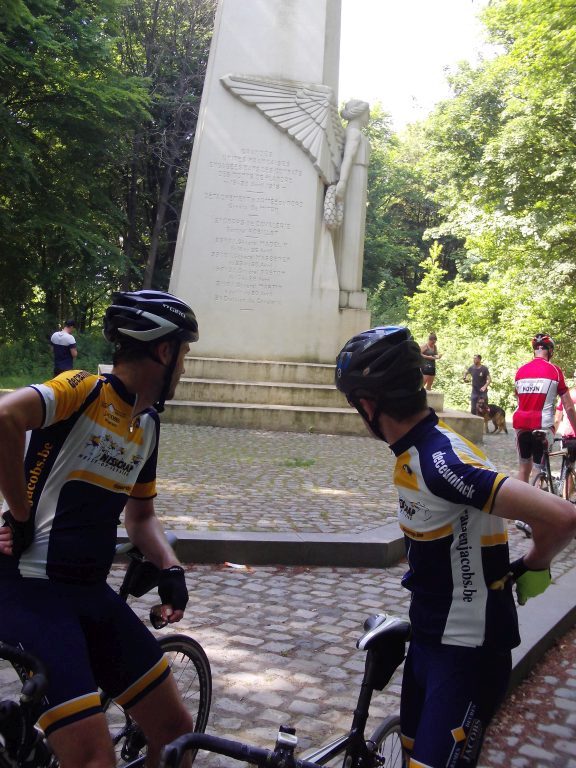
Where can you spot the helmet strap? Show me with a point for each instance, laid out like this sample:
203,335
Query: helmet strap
374,422
168,374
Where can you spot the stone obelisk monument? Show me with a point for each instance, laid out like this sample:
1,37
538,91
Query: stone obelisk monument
255,256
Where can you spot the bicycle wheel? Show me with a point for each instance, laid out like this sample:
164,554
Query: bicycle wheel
191,670
388,743
541,481
568,479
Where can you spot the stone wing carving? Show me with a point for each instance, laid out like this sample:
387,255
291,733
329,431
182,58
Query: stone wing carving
306,112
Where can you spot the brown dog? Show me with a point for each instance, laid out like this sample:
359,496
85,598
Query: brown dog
492,413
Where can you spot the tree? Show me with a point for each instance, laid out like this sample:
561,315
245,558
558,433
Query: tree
401,208
167,43
502,160
65,109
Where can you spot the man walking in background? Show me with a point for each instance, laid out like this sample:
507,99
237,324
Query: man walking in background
480,376
64,348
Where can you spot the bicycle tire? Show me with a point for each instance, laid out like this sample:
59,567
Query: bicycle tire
387,738
568,488
541,481
193,676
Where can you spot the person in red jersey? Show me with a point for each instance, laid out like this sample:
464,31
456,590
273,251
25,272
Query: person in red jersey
538,384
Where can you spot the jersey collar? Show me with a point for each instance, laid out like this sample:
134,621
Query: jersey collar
120,389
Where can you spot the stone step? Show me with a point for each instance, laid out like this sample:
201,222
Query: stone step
260,392
276,418
286,418
258,370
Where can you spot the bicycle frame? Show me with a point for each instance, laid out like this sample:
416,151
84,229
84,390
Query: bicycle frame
354,742
384,642
554,485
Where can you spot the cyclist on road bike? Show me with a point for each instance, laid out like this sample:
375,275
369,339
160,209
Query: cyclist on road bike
453,507
538,384
75,452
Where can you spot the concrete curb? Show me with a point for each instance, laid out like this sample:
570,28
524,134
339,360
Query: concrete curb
377,548
542,621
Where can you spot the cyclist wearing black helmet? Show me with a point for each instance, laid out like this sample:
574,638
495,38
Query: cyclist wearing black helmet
538,384
453,507
90,447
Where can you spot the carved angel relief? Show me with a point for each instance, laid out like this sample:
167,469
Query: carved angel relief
306,112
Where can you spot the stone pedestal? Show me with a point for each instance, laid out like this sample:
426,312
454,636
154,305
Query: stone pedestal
254,257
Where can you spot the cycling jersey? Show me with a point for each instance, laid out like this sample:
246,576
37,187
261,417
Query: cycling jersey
90,455
538,383
459,660
81,466
455,547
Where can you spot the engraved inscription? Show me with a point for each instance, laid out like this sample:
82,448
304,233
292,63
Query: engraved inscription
253,213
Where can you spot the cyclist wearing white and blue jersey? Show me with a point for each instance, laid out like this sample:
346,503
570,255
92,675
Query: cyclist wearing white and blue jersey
76,452
453,507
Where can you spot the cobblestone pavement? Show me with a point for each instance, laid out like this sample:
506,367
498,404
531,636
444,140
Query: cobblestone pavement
247,480
281,641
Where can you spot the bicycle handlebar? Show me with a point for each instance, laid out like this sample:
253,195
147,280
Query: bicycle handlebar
173,753
34,687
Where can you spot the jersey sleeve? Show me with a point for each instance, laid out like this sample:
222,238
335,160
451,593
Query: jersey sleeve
65,394
145,485
562,388
460,477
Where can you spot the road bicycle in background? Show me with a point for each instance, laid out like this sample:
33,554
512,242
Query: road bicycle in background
22,743
384,641
563,484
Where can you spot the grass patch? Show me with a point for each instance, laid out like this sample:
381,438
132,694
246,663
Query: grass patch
298,462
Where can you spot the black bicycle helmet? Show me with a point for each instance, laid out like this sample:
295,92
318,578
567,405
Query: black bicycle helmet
543,341
382,364
148,316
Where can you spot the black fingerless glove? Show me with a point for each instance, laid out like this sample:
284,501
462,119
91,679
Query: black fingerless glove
22,533
172,587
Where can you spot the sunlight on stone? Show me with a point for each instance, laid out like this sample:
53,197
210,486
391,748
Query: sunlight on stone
333,491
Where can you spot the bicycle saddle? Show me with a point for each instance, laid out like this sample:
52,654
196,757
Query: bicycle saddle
380,627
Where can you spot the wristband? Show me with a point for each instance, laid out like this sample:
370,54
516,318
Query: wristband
22,532
172,587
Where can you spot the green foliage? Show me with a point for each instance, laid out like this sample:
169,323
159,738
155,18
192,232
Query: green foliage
167,43
98,108
65,107
401,208
24,362
501,159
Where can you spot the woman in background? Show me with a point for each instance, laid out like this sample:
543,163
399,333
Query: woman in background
430,354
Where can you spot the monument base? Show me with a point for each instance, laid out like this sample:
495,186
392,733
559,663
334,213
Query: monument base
280,396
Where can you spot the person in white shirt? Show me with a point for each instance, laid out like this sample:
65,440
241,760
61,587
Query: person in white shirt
64,348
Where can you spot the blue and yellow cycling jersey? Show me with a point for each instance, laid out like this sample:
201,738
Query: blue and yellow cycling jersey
89,456
455,547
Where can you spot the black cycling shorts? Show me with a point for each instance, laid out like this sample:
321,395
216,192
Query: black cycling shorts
449,694
88,638
529,446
